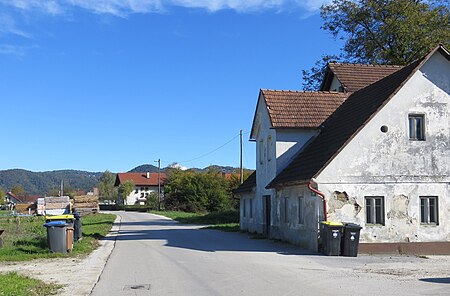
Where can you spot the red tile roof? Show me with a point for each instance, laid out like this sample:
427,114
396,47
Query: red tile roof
140,179
27,199
356,76
300,109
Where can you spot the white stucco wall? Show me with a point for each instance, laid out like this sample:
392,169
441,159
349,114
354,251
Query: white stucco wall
284,144
390,165
133,197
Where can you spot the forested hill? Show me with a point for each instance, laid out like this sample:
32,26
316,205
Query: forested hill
40,183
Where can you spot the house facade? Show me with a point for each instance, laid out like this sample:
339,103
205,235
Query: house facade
144,185
380,159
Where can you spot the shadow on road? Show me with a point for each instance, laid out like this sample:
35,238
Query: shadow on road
188,237
445,280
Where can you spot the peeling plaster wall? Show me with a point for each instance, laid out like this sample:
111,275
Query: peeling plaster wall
388,164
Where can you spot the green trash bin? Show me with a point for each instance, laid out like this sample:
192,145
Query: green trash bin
331,238
57,236
350,240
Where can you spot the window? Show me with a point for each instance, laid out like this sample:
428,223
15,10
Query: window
251,207
244,208
142,188
375,210
301,214
261,151
429,210
136,191
146,188
285,209
416,127
269,149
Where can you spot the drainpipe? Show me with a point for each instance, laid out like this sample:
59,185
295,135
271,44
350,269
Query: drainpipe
322,195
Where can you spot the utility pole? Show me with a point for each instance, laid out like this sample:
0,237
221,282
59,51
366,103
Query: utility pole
159,183
242,149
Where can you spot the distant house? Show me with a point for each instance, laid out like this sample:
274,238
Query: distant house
144,185
26,204
372,147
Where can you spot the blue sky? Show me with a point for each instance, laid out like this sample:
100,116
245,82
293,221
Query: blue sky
112,84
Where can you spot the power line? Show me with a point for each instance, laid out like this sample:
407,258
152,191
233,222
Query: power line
212,151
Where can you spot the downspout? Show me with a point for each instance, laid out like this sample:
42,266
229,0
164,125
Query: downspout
322,195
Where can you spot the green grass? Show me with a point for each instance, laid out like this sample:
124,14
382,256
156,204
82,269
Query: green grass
214,218
25,238
224,220
12,284
228,227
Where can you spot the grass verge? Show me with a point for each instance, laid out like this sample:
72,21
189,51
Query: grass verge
25,238
223,220
13,284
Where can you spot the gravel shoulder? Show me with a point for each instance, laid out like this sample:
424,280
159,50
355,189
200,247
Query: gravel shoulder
77,275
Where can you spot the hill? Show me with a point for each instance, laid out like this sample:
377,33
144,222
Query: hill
39,183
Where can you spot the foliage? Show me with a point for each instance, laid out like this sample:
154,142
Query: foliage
312,78
106,188
13,284
385,32
18,190
25,238
2,196
152,201
197,192
125,189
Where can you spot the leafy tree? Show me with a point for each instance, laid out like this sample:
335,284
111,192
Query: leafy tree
106,188
125,189
2,196
152,200
18,190
196,192
384,31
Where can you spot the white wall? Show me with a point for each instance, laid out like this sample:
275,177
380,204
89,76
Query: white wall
133,197
391,165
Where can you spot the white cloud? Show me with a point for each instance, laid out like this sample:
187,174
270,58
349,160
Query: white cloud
19,51
8,26
126,7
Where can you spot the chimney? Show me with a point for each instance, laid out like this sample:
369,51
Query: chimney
148,175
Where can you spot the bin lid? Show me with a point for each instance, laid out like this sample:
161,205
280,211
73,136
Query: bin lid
352,225
59,217
332,223
55,223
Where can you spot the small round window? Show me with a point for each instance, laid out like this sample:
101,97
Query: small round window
384,128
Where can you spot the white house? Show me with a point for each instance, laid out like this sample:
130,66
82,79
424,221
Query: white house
372,147
144,185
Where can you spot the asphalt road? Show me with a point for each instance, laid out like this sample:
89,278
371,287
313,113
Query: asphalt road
157,256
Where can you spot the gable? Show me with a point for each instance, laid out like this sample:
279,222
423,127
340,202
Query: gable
392,156
345,123
353,77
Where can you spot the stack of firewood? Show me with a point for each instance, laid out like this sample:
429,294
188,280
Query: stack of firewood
57,205
86,204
